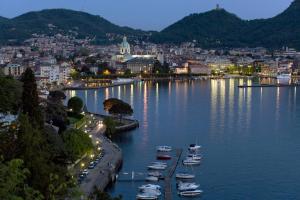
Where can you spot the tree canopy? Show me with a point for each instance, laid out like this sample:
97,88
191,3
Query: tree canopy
76,104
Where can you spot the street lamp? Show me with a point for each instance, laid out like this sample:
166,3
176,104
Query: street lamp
82,165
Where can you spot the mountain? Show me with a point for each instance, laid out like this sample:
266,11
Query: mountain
53,21
219,28
214,27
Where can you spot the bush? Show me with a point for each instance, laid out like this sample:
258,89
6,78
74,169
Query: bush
76,104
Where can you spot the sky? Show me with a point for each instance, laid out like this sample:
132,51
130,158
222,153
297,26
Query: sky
148,14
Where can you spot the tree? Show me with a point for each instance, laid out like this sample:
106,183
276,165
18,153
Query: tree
117,107
13,186
99,195
76,104
30,99
110,126
77,143
10,94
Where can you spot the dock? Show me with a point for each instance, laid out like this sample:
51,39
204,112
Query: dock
268,85
169,175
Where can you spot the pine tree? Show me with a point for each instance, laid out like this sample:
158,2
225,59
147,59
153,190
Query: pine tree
30,101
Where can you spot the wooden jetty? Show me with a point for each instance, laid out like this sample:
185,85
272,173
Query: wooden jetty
170,173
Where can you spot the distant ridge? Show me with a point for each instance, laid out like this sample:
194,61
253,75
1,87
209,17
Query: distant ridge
213,29
53,21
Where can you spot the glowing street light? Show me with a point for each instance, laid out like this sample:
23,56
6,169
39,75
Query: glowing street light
82,164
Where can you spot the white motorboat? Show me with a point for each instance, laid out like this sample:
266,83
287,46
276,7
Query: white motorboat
157,167
152,178
191,162
155,173
150,186
164,148
284,76
191,193
185,176
188,186
194,147
151,191
194,156
146,196
159,163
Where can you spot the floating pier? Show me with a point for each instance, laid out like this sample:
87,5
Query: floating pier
170,173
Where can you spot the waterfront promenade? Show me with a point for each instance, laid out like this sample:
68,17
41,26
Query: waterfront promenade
105,171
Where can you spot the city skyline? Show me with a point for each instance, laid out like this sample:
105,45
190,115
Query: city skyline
166,12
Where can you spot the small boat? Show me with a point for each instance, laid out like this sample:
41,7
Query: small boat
151,178
185,176
163,157
195,156
151,191
157,167
164,148
194,147
188,187
146,196
156,174
191,162
191,193
150,186
159,163
284,76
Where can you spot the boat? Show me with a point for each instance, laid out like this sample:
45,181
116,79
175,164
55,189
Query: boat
188,187
156,174
191,162
151,191
150,186
191,193
185,176
163,157
157,167
159,163
151,178
164,148
194,147
146,196
284,76
194,156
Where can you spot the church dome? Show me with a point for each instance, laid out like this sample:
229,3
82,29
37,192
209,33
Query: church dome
125,46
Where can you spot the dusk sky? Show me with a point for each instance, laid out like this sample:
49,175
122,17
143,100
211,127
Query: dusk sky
148,15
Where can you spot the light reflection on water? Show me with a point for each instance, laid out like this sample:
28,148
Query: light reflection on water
250,136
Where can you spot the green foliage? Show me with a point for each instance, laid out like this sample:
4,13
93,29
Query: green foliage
110,125
99,195
76,104
13,185
30,99
77,143
10,94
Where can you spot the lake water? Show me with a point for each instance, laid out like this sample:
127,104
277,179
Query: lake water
250,137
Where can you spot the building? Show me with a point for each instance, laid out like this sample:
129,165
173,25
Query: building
14,70
198,67
124,47
138,65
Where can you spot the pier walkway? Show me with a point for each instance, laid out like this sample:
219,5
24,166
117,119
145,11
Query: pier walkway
170,173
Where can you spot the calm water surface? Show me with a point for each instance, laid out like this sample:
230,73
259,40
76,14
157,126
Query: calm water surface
250,137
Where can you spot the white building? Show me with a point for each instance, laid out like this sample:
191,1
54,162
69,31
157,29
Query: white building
14,70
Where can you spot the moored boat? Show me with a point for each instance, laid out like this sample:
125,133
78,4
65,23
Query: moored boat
188,187
164,148
185,176
191,193
194,156
194,147
150,186
157,167
191,162
163,157
145,196
152,178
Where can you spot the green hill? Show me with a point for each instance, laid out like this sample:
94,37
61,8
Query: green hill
218,28
54,21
